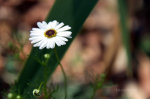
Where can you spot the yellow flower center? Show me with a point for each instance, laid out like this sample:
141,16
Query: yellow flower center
50,33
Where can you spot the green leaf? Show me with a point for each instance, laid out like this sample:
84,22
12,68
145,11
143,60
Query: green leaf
72,13
123,11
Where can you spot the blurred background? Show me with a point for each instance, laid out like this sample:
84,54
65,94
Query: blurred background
97,50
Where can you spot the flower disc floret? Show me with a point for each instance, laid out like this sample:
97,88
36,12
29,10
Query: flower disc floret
50,33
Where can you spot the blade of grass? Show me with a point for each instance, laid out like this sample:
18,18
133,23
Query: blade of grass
71,12
122,6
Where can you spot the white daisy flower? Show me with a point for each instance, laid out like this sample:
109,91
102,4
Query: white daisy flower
49,34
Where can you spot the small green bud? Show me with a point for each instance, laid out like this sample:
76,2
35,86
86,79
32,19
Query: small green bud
36,92
47,56
18,97
10,95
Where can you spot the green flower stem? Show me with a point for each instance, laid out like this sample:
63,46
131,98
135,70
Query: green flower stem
44,63
40,86
63,71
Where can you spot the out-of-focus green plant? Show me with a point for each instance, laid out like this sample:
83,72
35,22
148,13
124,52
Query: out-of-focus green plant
71,12
98,84
145,45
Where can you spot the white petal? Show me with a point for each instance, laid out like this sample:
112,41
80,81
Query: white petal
50,44
62,38
34,38
64,28
43,44
59,42
44,23
37,44
40,42
49,26
59,25
35,41
35,34
41,25
64,34
54,24
35,29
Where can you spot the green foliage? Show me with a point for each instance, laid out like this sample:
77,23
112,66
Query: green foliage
98,84
71,12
